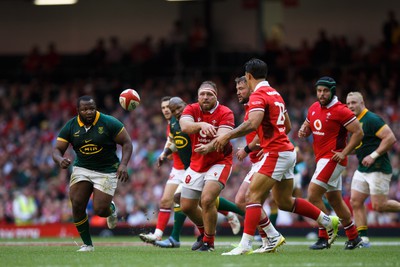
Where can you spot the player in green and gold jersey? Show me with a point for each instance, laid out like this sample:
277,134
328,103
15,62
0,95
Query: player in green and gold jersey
94,137
372,178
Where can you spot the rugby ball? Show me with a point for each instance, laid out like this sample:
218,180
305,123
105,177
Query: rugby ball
129,99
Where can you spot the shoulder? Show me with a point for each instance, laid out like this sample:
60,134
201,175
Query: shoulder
224,109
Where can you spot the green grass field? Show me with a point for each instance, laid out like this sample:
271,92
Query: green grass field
130,251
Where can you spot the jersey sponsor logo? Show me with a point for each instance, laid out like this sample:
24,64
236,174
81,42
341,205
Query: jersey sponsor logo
90,149
188,178
87,141
171,176
180,142
101,130
76,134
318,126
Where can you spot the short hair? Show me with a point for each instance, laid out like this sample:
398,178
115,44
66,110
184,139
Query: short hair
165,98
241,79
257,68
356,94
84,98
176,100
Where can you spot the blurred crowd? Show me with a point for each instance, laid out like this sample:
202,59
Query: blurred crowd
34,190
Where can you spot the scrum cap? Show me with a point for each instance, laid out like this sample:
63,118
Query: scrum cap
329,83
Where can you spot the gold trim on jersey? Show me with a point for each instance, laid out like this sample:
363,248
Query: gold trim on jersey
96,119
359,117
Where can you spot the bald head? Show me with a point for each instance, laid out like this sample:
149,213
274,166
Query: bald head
176,105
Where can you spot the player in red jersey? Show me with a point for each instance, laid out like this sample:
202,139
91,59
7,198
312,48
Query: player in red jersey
207,174
330,121
268,115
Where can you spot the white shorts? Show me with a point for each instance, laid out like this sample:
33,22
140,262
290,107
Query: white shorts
254,167
105,182
195,180
372,183
328,174
176,176
278,165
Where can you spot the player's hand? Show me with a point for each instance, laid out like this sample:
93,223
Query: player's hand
65,162
220,142
122,173
202,149
367,161
161,160
208,129
303,131
241,154
338,156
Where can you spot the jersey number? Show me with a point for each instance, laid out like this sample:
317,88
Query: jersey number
281,117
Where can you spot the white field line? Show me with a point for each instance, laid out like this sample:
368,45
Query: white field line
135,243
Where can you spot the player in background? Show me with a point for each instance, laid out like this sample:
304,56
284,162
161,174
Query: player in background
329,121
372,178
96,169
181,154
167,199
268,115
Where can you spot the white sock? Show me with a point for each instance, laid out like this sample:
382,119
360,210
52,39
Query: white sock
158,233
247,241
323,219
270,230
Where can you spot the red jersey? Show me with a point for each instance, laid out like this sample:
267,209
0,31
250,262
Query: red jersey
177,162
272,128
328,126
250,136
221,117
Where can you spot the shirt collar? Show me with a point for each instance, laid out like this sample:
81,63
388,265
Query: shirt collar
260,84
96,119
333,102
212,110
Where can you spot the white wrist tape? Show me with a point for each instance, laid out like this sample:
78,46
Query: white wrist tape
374,155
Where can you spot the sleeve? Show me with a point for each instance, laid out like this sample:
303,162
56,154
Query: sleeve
346,116
188,113
257,102
64,134
227,119
114,125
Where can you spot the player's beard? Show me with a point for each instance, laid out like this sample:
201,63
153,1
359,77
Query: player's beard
86,120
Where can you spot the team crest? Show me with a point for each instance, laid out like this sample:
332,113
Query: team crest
101,130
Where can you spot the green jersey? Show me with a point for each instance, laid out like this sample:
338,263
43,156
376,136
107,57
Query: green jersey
182,142
95,147
371,125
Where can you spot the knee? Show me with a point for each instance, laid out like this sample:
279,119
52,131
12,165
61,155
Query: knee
356,204
165,202
378,206
102,210
207,202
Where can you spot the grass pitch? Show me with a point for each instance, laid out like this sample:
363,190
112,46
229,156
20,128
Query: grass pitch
130,251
